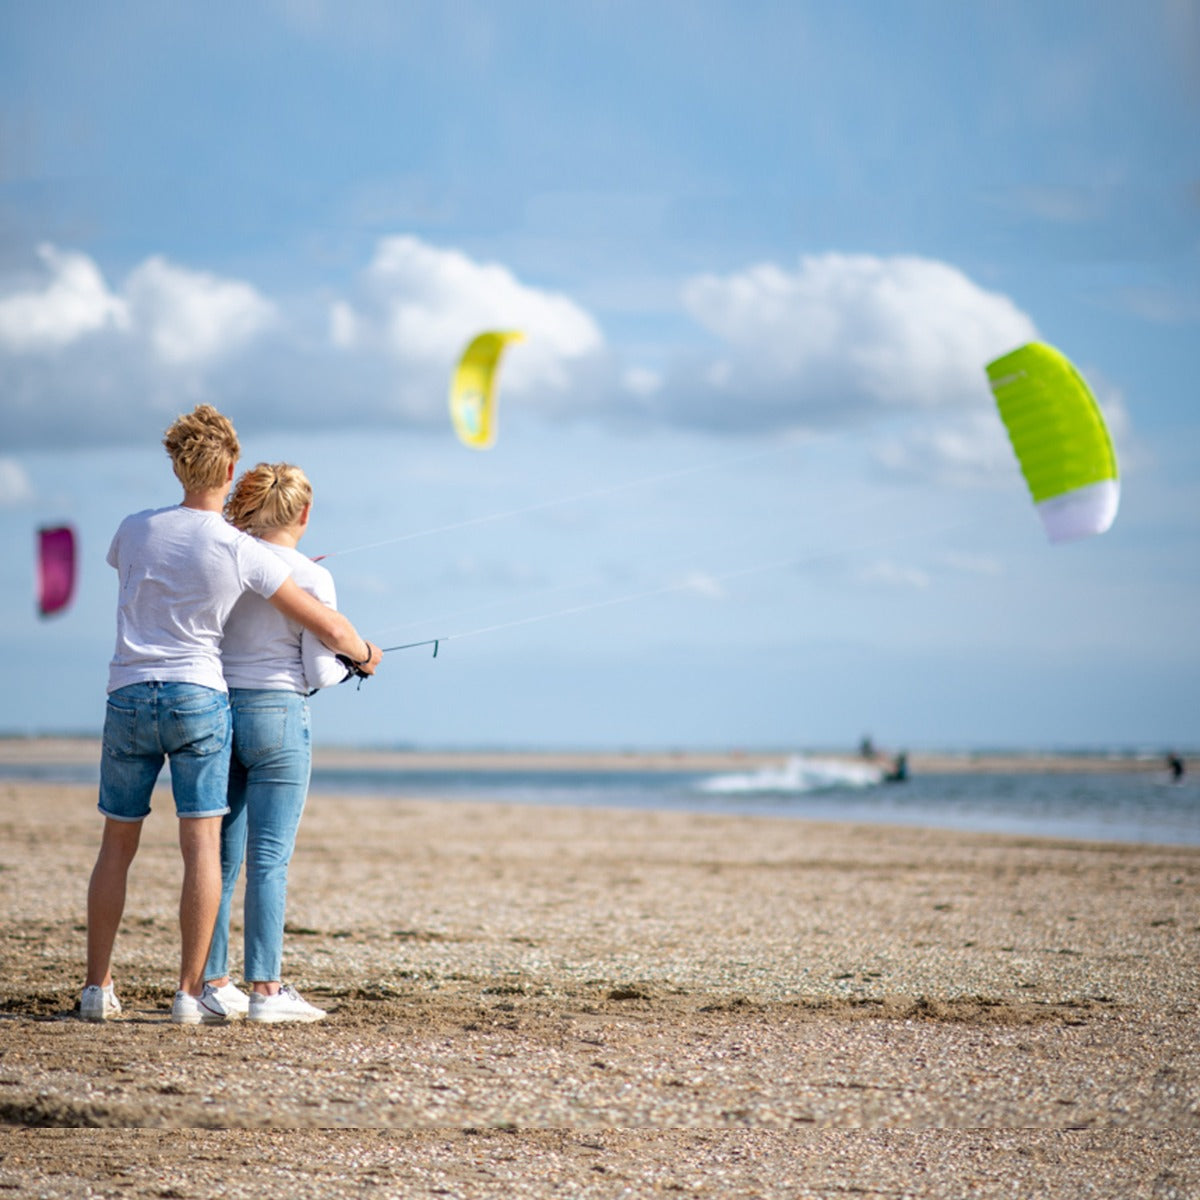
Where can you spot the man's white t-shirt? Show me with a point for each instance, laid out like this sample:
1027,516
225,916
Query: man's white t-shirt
263,649
181,572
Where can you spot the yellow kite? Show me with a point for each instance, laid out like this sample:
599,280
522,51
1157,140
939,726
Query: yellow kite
1060,439
473,388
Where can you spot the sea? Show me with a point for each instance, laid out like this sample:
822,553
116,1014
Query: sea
1136,806
1121,806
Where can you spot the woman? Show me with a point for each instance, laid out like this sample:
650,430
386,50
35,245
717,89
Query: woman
271,665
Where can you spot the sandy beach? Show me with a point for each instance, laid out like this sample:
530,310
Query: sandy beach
583,1002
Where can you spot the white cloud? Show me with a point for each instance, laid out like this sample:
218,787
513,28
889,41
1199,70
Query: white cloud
641,381
834,341
421,305
168,338
193,316
343,325
842,335
962,450
185,316
15,487
72,302
83,362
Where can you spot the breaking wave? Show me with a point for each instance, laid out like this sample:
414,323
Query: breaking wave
799,774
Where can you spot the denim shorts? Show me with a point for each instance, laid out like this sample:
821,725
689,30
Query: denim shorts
184,723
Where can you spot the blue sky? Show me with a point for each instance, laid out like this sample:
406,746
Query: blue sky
750,489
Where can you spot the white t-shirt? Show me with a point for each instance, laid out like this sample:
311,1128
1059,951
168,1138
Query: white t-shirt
181,570
263,649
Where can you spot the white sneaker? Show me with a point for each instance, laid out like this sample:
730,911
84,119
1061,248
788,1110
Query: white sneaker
235,1002
286,1005
99,1003
204,1009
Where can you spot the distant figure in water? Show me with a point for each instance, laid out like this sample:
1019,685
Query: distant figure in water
1175,766
866,748
899,771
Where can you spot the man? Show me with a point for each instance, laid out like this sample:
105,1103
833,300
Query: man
181,569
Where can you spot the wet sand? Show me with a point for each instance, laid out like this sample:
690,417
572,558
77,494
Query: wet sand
536,1002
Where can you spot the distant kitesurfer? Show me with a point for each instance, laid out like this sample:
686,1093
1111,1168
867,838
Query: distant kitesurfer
899,771
1175,766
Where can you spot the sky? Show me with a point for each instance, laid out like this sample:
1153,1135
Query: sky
750,489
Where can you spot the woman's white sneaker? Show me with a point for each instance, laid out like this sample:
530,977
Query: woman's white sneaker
235,1002
204,1009
286,1005
99,1003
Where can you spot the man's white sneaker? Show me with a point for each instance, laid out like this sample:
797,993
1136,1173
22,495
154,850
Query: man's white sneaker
235,1002
204,1009
99,1003
286,1005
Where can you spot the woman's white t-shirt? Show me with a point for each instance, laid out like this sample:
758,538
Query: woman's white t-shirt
181,573
263,649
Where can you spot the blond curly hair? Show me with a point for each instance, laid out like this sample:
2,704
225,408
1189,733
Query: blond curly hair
203,445
267,497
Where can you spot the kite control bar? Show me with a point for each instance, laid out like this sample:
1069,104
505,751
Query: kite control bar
353,669
410,645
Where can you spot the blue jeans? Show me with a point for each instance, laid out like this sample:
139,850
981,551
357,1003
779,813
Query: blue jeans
268,783
148,723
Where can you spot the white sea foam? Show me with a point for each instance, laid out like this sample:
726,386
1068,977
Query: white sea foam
798,774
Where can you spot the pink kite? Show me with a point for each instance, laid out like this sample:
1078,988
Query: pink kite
56,568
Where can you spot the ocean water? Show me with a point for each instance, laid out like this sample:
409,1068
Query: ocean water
1135,806
1120,806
